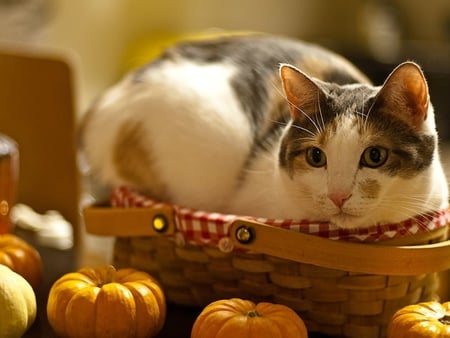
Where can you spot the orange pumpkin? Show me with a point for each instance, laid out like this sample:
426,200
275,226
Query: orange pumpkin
22,258
423,320
238,318
102,302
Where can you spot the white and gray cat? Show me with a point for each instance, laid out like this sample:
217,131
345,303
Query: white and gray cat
270,127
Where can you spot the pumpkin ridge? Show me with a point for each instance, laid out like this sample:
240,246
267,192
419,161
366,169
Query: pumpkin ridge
86,296
274,324
147,306
239,305
154,288
230,324
115,293
131,275
283,318
207,321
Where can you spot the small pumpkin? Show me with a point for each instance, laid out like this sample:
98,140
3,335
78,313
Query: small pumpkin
239,318
423,320
22,258
17,304
105,302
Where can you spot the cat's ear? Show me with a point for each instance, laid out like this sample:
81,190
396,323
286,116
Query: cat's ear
405,94
301,91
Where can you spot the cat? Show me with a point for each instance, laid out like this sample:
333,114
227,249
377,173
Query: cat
271,127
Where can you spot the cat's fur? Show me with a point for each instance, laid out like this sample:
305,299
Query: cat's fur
208,125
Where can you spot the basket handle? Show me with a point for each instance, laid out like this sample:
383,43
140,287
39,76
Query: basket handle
355,257
107,221
278,242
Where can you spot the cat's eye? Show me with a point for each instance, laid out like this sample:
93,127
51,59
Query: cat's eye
316,157
374,157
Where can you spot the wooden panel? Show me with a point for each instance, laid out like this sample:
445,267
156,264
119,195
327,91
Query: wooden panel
37,110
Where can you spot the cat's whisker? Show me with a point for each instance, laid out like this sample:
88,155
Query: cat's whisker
368,114
412,203
418,216
315,123
409,207
282,94
417,198
300,110
401,210
258,172
281,123
304,129
363,102
361,114
276,85
320,112
407,214
305,139
308,117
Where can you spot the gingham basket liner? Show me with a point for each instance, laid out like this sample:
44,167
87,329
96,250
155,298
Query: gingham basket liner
208,228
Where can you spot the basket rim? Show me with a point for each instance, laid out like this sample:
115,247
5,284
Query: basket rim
149,218
209,228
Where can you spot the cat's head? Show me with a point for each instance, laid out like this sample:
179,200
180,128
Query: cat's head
357,154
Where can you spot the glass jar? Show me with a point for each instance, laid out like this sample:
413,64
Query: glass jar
9,174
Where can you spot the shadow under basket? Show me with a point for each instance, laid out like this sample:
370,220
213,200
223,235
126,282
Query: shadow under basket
339,288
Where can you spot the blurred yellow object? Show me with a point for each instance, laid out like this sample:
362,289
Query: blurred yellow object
150,46
17,304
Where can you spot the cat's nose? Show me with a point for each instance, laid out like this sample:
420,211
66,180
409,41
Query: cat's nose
339,198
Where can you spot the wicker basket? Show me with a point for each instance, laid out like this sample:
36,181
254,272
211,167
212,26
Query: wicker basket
338,287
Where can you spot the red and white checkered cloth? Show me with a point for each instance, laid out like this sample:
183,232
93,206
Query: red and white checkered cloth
207,228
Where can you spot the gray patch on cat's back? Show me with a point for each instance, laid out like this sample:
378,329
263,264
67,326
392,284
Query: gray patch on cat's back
257,58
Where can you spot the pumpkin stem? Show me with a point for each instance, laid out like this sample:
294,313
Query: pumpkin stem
446,319
110,274
252,314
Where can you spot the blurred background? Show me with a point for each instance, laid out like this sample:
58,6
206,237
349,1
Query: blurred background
106,37
102,39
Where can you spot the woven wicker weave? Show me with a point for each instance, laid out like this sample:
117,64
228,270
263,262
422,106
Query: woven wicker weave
339,288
